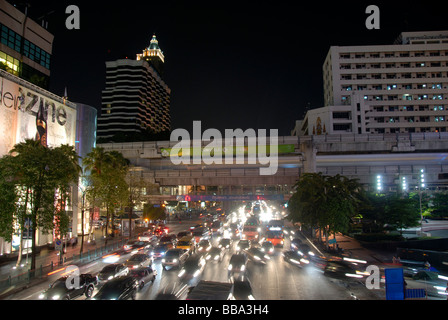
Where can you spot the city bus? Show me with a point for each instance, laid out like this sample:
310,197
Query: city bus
251,229
275,236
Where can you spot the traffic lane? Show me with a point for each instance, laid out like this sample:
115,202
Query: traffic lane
273,281
166,281
94,267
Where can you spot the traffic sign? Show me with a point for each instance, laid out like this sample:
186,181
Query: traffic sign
58,245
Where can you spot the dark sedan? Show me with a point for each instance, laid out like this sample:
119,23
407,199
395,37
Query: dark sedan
67,288
112,271
237,265
159,251
242,290
225,243
193,267
134,246
294,258
295,243
256,255
215,254
342,270
121,288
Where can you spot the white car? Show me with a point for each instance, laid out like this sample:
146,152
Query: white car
148,236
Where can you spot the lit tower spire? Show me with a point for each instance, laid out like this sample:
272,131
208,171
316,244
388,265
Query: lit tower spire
153,54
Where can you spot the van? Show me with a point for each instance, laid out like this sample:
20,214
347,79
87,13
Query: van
187,243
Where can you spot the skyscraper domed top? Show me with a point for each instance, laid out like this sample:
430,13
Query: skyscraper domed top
154,44
153,55
153,50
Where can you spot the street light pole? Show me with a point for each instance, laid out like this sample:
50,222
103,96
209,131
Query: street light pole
420,186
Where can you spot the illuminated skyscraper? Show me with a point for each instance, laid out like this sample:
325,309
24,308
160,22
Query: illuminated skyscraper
136,100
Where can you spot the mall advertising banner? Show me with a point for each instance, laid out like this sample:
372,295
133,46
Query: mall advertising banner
28,114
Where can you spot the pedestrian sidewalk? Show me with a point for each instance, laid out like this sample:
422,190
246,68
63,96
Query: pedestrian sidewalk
352,248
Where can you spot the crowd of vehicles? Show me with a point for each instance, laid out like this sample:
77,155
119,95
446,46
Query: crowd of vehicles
242,239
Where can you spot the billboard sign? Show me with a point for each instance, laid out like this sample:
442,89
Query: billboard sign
28,114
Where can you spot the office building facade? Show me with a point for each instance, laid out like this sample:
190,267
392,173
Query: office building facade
397,88
404,86
25,46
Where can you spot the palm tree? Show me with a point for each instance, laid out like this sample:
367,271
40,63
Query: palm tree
65,174
107,176
93,163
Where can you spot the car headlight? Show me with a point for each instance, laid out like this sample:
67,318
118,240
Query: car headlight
41,296
230,267
174,260
163,260
111,277
55,297
243,267
294,261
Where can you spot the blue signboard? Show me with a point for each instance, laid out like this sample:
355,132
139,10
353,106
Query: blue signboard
394,284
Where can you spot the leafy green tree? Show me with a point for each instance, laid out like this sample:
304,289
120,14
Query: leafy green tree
9,198
39,174
372,212
439,205
390,212
425,201
325,202
400,212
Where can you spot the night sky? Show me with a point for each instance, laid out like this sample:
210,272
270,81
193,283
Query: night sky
230,64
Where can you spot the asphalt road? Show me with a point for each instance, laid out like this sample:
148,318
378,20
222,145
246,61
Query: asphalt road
277,280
